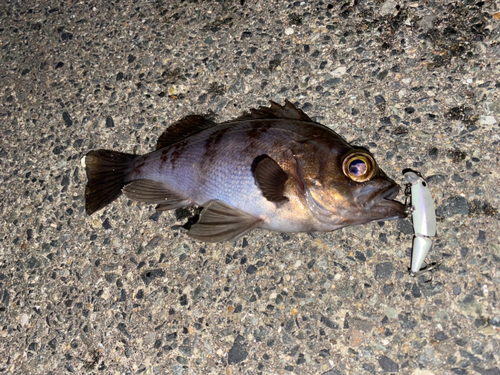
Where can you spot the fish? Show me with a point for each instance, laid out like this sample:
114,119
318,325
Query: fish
272,168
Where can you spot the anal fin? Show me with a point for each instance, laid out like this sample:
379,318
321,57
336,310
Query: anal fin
154,192
221,222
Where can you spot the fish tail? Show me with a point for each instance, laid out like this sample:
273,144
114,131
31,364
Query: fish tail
107,172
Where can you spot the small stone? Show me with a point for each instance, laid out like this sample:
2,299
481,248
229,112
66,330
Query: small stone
109,122
440,336
386,120
481,237
388,364
331,82
66,36
383,270
388,8
150,338
67,119
156,216
251,269
488,120
406,321
131,58
52,343
148,276
154,242
369,368
360,324
360,256
24,319
415,291
171,336
490,371
495,321
495,251
186,350
387,289
289,31
33,263
327,322
435,179
405,226
333,371
480,322
453,206
340,71
431,289
182,360
106,224
123,329
382,75
237,353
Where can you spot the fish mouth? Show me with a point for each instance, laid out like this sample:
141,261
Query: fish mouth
385,205
380,203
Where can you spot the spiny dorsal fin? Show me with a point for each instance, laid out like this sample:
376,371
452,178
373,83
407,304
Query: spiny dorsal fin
288,111
183,129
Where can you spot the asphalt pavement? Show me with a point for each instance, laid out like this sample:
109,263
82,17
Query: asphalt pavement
126,291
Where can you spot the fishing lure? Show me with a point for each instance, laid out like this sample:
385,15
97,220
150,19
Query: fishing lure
420,205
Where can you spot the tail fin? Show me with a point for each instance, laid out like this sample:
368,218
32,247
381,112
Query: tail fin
106,173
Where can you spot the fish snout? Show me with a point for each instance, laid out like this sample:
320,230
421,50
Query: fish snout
377,198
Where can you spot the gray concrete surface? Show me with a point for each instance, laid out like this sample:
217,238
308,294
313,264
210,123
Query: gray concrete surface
127,292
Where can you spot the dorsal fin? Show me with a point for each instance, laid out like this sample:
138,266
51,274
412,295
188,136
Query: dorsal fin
288,111
183,129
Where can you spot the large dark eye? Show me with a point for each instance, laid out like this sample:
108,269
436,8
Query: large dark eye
359,165
357,168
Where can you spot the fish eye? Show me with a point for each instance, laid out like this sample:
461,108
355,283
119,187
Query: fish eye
359,165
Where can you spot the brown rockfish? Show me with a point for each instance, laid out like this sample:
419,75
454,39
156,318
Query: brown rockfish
272,168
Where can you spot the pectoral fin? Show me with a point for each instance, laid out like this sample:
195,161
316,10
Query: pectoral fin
150,191
270,178
221,222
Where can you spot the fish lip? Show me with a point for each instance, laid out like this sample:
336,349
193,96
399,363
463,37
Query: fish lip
385,200
390,193
372,195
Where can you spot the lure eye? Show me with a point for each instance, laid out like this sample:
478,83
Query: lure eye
359,165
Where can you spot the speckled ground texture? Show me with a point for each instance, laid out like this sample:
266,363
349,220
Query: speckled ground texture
125,291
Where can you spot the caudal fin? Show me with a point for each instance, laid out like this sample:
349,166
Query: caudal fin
106,173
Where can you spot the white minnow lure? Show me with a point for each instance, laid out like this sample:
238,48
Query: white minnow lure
423,213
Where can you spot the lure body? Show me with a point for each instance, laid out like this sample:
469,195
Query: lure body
423,217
